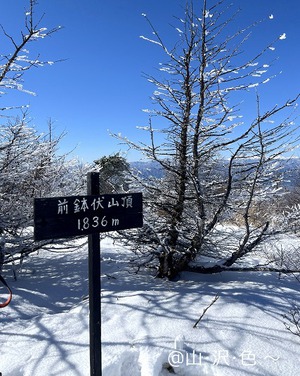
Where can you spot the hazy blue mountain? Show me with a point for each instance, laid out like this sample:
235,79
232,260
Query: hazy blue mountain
289,167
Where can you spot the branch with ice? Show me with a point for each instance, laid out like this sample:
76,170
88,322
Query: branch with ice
159,41
17,62
150,40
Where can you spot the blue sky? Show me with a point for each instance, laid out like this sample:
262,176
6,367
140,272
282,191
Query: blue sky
100,85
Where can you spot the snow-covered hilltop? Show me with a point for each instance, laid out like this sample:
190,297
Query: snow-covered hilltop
147,324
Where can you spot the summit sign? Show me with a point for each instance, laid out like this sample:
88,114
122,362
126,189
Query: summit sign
62,217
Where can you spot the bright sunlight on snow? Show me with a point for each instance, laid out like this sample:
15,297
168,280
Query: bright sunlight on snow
147,323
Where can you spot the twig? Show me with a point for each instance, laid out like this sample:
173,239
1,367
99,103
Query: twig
294,321
205,309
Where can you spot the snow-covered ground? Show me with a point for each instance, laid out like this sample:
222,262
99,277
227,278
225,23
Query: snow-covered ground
147,324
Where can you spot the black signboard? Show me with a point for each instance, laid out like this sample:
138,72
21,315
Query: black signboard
62,217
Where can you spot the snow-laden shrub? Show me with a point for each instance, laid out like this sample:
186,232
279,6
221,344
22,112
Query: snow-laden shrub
30,167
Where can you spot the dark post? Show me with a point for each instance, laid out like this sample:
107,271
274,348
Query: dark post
2,253
94,286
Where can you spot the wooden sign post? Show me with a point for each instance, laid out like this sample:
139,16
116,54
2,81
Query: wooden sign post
63,217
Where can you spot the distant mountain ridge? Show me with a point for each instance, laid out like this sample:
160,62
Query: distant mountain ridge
148,169
290,168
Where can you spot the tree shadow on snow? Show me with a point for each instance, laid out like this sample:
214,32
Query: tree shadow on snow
247,316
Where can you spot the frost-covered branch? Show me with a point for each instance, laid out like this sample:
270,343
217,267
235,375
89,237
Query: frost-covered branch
16,62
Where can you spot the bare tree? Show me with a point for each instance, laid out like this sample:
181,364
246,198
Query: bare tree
29,163
15,62
30,166
216,167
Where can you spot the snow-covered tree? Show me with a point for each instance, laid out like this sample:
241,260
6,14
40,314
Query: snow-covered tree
217,168
30,165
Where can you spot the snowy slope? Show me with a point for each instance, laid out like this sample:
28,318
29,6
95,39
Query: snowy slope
147,323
